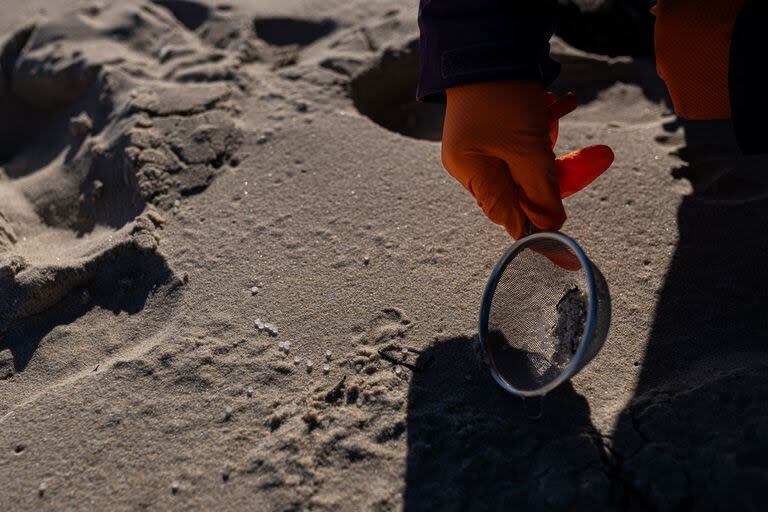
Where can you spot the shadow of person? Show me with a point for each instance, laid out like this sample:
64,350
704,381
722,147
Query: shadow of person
715,166
695,435
473,447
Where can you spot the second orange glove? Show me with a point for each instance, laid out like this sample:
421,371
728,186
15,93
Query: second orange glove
498,141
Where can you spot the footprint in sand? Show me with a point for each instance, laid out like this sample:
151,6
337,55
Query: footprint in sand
386,325
80,210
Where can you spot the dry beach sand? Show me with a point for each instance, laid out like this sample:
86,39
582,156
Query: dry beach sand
172,171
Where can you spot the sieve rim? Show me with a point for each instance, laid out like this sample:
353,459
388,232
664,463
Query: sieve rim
485,310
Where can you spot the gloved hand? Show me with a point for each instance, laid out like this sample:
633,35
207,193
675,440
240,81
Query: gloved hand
693,40
498,141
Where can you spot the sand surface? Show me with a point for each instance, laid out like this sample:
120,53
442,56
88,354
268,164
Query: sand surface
172,171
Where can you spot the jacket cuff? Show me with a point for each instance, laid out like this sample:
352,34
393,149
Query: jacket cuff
469,41
484,63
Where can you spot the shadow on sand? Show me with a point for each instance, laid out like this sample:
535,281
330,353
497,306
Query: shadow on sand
125,285
694,437
696,434
471,447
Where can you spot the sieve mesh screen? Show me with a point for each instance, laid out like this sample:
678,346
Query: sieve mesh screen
537,314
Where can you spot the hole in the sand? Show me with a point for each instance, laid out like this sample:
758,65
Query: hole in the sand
190,14
284,31
13,135
386,93
19,448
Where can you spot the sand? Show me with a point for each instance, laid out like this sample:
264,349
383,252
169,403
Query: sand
159,160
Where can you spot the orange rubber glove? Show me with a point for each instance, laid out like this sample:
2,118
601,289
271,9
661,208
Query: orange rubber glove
693,41
498,141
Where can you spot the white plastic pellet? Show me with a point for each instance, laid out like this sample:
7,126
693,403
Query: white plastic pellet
296,360
286,346
309,364
326,368
249,391
328,355
398,370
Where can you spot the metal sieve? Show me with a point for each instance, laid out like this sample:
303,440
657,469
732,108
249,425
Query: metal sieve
545,314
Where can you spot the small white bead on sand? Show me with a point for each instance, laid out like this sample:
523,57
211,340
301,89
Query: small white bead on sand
42,488
287,346
259,324
398,370
249,391
326,368
296,360
175,486
309,365
281,345
255,290
228,413
328,355
271,329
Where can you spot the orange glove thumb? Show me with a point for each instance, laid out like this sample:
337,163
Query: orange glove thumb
579,168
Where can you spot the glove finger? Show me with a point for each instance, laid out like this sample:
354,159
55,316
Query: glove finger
550,98
578,169
562,259
535,174
488,180
554,131
498,196
563,106
559,107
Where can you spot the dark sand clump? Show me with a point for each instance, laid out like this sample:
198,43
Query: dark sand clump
572,315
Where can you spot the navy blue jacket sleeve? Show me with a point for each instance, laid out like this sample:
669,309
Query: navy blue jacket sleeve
468,41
